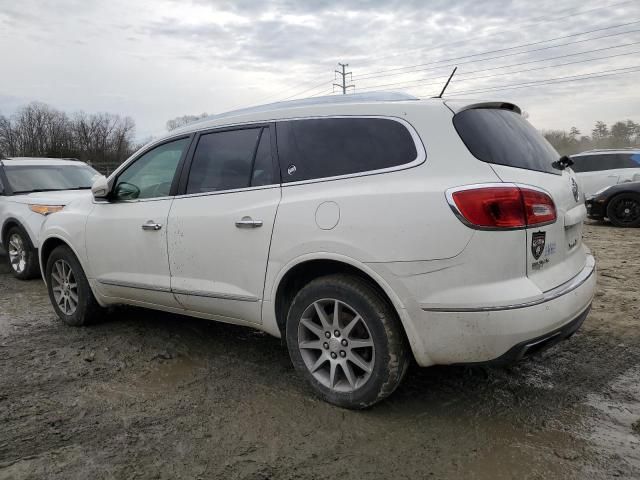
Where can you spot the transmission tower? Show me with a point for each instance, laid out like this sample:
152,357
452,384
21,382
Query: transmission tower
344,74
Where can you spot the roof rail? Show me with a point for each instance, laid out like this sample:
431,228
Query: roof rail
324,100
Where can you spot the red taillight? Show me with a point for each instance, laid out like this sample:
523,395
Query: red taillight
538,206
504,207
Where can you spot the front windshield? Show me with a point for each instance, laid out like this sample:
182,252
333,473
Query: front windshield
39,178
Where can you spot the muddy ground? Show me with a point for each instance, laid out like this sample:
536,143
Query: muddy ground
149,395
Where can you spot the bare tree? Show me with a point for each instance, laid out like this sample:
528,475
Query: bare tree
38,130
183,121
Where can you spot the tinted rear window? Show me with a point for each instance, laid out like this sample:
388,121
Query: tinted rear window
223,161
605,161
328,147
504,137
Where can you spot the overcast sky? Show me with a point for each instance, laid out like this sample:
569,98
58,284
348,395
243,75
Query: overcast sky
154,60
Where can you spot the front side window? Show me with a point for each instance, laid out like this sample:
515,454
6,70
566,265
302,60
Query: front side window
231,159
151,175
44,178
329,147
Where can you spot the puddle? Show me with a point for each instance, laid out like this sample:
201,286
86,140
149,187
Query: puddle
619,408
171,373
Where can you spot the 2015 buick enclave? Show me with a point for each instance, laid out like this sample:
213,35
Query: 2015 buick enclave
363,229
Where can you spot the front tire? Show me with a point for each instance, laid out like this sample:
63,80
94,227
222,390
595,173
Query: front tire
69,290
346,341
23,257
624,210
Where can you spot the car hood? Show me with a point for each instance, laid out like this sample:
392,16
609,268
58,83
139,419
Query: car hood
62,197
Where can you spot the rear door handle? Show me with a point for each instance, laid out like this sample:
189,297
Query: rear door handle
248,222
151,225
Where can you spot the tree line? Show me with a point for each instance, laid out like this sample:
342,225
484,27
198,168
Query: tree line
103,140
622,134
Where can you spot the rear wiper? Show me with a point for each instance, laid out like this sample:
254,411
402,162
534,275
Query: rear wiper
562,163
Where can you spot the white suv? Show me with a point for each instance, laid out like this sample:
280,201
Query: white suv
363,229
30,189
600,169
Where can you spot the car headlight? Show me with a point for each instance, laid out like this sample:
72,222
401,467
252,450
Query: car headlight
45,209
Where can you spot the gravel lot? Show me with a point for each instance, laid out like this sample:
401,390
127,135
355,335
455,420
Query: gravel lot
151,395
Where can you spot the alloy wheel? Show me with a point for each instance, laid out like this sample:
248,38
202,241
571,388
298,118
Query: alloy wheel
65,287
626,210
17,253
336,345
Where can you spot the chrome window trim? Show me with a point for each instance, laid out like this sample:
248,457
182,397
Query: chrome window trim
421,152
234,190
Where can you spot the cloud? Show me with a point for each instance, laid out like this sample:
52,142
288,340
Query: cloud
155,60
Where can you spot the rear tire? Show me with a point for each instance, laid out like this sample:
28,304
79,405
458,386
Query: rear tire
69,290
353,358
22,256
623,210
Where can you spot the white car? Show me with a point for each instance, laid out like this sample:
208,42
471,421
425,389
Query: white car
600,169
363,229
30,189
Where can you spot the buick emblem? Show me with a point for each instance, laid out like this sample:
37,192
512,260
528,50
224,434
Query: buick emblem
291,170
575,190
537,244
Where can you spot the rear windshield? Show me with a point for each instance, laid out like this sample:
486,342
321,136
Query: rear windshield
40,178
504,137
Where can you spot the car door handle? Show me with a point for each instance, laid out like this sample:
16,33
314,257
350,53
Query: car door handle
248,222
151,225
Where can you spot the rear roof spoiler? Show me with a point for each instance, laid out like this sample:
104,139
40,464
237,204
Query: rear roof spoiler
457,106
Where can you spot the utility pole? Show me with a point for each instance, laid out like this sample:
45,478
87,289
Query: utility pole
344,74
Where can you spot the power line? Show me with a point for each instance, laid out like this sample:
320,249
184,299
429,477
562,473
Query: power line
315,87
375,74
525,52
515,28
538,20
549,81
421,82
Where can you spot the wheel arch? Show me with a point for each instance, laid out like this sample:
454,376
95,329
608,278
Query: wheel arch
48,245
299,273
7,225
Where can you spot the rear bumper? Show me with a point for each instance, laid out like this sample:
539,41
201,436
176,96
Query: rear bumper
535,345
507,333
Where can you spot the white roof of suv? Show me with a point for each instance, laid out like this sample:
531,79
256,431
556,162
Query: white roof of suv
259,111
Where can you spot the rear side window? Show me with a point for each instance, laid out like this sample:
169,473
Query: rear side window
231,159
607,161
328,147
503,137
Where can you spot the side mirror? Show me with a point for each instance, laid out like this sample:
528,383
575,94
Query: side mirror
100,188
